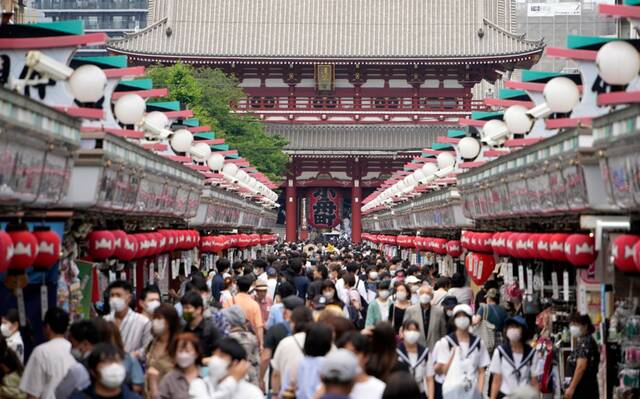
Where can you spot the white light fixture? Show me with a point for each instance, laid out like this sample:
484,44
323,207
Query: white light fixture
618,62
154,125
230,169
215,162
445,159
517,119
468,147
561,94
495,132
181,140
242,176
129,109
200,152
419,175
87,83
429,168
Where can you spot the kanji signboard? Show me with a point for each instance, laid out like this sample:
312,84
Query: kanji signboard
324,207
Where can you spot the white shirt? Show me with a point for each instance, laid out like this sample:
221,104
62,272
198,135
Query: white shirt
384,309
48,364
228,388
271,288
500,364
478,357
287,357
343,293
14,342
372,388
135,330
463,294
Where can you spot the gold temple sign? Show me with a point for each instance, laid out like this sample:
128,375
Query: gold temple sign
325,74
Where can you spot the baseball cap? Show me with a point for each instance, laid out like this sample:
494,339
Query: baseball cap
340,365
292,301
449,301
517,320
412,280
319,302
271,272
464,308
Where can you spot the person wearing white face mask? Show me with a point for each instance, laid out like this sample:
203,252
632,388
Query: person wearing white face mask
187,354
581,373
430,318
165,325
380,308
149,300
412,354
10,330
467,350
514,362
135,328
107,375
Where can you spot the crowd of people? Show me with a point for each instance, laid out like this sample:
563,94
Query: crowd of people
332,323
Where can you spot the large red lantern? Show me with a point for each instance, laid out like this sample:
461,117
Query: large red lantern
479,266
623,251
465,239
580,250
439,246
556,247
499,243
129,249
206,244
454,248
6,251
532,245
510,243
542,246
484,242
101,244
521,245
48,247
218,243
255,239
265,239
25,248
144,246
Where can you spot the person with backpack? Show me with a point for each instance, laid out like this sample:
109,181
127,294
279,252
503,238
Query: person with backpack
355,308
463,349
514,361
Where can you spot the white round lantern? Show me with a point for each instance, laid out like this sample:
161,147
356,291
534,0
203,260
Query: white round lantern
181,140
419,175
445,159
129,109
230,169
242,176
469,147
157,119
561,94
87,83
200,152
429,169
495,132
215,162
517,120
618,62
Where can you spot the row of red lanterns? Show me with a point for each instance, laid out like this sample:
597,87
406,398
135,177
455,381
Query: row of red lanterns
440,246
21,249
222,242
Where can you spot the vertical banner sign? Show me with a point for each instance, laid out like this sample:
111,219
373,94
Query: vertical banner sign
554,283
44,300
325,77
565,283
529,281
509,278
85,276
324,208
521,281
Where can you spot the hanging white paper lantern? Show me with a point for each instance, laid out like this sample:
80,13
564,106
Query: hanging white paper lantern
517,120
230,169
242,176
495,132
200,152
469,147
429,168
561,94
129,109
618,62
445,159
181,140
87,83
215,162
157,119
419,175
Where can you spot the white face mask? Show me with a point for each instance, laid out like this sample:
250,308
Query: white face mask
414,288
329,294
158,326
152,306
575,331
384,294
373,275
117,304
185,359
217,368
411,337
514,334
425,299
113,375
5,329
462,322
401,296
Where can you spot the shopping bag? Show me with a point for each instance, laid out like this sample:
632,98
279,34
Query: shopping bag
460,382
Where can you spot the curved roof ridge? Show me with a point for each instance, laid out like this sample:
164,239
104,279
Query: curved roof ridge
506,32
147,29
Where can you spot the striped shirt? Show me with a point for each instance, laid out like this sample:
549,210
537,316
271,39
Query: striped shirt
135,330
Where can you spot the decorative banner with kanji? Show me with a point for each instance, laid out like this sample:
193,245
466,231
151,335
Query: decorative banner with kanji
324,207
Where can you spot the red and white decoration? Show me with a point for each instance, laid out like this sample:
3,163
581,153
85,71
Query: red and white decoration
48,248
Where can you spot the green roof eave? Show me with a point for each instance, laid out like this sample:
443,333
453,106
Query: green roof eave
506,94
165,105
221,147
138,84
441,146
632,2
205,135
423,155
532,76
455,133
191,122
582,42
481,115
69,27
114,61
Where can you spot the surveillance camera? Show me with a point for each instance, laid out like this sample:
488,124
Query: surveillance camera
47,66
444,171
540,111
153,132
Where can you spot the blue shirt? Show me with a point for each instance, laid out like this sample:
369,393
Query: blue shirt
301,283
217,285
308,377
276,315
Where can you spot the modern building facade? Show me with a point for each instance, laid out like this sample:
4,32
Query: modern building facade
357,87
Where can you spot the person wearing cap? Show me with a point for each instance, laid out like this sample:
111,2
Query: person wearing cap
447,304
272,282
431,319
380,308
338,374
248,305
514,362
469,348
260,295
238,331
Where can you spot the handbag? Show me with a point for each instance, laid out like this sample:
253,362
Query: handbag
486,330
460,382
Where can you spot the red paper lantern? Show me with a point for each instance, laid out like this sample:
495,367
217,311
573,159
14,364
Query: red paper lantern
623,251
25,248
6,251
48,248
521,245
119,237
479,266
163,243
556,247
498,243
265,239
101,244
144,245
129,250
206,244
542,246
580,250
255,239
484,242
439,246
532,246
454,248
511,244
465,239
474,241
218,243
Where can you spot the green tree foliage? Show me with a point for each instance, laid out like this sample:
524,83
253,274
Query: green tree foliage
209,93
